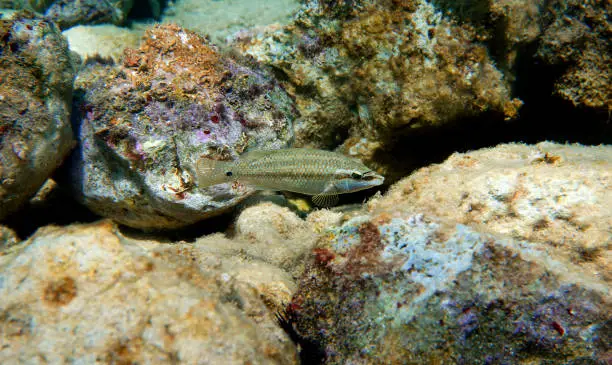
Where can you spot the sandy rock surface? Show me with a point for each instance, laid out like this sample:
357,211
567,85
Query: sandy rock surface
87,293
106,41
556,195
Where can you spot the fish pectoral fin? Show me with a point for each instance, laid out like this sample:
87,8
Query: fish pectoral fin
325,200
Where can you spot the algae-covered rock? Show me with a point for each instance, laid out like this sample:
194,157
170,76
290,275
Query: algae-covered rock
36,75
366,73
8,237
278,236
144,123
571,37
579,39
87,293
31,5
68,13
413,281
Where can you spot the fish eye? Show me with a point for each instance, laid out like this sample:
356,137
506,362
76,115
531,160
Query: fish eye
356,175
228,173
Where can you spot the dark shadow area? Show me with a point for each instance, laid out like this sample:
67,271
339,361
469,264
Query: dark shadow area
56,208
218,224
311,352
145,9
543,117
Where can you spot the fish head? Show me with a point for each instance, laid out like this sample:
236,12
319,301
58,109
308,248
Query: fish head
356,179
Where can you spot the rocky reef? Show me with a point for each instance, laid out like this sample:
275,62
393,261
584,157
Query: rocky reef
68,13
143,124
488,246
570,37
408,282
367,73
36,75
126,299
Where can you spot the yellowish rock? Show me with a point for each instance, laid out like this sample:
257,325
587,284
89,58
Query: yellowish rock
107,41
87,293
550,193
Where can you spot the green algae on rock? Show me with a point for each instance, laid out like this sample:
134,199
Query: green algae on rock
36,75
365,73
144,123
410,281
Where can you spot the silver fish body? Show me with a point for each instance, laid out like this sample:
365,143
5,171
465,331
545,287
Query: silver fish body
308,171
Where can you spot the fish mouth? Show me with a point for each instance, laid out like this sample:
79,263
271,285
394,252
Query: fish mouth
373,178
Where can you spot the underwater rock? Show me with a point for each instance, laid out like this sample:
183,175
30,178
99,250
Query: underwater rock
8,237
366,73
572,37
87,293
144,123
557,195
30,5
579,40
102,41
277,235
410,282
68,13
36,75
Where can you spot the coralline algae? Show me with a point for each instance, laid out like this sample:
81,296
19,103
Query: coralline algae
144,123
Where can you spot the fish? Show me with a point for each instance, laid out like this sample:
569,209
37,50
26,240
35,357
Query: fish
320,173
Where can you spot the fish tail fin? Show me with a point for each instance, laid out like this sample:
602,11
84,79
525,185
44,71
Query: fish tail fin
212,172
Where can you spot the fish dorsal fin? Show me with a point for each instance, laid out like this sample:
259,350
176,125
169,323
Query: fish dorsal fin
325,200
256,154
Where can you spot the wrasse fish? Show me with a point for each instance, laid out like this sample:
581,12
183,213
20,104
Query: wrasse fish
320,173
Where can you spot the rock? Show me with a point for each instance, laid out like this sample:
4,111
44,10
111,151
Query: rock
367,73
31,5
126,300
571,37
68,13
104,41
278,236
36,75
144,123
578,39
8,237
414,281
556,195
